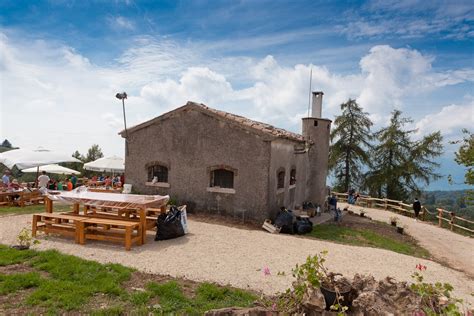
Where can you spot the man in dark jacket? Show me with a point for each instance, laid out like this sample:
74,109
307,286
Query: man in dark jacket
416,208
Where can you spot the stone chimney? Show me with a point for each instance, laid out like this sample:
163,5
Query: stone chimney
317,104
316,131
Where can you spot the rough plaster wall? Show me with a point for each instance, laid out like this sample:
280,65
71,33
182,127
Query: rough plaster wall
189,144
283,156
318,156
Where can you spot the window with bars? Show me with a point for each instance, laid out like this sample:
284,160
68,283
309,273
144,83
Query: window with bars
281,179
158,171
293,176
222,178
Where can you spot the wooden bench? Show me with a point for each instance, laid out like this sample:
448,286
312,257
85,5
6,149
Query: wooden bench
110,230
62,224
34,197
121,214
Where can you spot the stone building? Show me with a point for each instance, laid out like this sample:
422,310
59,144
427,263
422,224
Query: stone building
227,163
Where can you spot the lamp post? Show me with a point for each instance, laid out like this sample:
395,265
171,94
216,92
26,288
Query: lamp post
122,96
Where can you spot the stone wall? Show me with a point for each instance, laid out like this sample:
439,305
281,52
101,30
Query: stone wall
190,143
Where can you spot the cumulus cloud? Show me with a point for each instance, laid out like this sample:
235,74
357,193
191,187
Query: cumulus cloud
449,120
61,93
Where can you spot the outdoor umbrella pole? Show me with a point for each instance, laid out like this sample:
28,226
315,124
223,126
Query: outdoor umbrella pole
37,175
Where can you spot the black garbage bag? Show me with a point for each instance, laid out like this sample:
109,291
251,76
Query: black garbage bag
303,226
168,226
284,220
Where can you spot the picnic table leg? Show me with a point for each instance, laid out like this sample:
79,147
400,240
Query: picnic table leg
35,225
75,208
48,205
143,225
128,238
80,232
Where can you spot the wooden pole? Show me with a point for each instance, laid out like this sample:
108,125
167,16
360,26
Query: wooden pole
453,216
440,217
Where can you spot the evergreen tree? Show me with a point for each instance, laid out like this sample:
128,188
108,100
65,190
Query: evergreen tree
93,153
6,144
348,153
465,156
401,164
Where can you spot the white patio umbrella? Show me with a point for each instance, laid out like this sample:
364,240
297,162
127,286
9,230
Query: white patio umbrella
53,168
107,164
27,158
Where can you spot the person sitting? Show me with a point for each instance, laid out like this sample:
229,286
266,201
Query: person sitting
108,182
51,185
60,186
101,178
69,185
14,185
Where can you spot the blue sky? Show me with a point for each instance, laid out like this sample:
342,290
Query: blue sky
61,63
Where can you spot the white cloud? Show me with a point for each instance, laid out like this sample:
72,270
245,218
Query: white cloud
450,120
120,22
68,103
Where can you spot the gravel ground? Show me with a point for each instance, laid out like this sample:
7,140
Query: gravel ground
228,255
454,249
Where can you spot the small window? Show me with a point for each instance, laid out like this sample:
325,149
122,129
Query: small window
293,177
222,178
281,179
315,123
158,171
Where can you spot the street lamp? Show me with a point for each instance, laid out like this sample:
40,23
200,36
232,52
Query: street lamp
122,96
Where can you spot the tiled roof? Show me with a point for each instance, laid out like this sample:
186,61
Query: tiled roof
240,120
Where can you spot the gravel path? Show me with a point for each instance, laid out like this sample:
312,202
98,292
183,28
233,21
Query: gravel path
234,256
454,249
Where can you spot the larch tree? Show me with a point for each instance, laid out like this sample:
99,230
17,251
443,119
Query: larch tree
350,141
399,163
93,153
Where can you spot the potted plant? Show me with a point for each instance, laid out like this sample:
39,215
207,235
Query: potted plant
393,220
25,240
312,274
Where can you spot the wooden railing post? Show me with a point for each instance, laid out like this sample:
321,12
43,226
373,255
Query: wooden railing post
453,216
386,204
440,217
423,217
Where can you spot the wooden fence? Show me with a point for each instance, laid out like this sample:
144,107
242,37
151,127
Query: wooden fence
407,209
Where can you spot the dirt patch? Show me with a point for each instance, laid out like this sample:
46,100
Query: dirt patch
225,221
16,268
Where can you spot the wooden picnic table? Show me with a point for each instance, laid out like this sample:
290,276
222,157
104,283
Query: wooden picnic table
112,200
7,197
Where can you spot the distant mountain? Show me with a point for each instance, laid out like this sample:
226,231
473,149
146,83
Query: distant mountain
453,201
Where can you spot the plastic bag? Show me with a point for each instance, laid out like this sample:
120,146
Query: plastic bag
303,226
169,225
284,220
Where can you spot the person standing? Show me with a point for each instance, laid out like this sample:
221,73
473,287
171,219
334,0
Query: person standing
416,208
73,180
43,180
5,178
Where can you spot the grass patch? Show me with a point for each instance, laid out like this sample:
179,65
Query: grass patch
31,209
70,283
13,282
9,256
367,238
207,296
